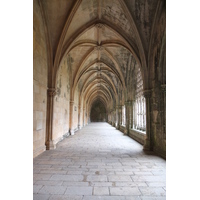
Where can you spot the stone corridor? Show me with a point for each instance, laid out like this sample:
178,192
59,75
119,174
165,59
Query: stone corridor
98,162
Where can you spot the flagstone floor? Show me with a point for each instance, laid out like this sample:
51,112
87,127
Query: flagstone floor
98,162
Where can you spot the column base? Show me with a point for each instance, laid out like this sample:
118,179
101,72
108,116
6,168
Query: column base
147,146
71,131
125,131
50,145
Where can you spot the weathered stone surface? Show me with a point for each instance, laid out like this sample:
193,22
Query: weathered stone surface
39,81
80,190
52,190
91,182
123,191
99,60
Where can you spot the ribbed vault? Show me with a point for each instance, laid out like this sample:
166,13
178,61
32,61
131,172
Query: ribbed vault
100,48
100,55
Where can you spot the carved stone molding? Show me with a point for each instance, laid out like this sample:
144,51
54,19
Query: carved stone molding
71,102
50,144
147,93
128,103
119,106
99,48
51,92
99,25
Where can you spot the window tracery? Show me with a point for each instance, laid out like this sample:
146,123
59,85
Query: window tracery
139,107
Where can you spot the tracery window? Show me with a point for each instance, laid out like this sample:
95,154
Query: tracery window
139,106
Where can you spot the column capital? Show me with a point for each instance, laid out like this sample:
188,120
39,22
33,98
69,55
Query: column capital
128,103
147,93
51,92
71,102
119,106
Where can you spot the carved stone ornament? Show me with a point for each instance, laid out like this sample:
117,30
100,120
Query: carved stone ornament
147,93
71,103
99,48
51,92
99,25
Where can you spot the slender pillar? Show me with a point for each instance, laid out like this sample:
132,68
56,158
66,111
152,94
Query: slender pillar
71,129
148,143
79,116
163,88
129,111
119,116
134,115
83,116
116,116
127,117
51,92
131,114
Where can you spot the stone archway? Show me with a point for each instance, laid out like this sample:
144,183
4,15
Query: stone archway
98,112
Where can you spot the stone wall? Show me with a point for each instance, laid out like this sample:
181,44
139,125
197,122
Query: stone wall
158,95
98,113
137,135
75,114
39,81
61,105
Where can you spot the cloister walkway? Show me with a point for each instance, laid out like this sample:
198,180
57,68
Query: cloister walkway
98,162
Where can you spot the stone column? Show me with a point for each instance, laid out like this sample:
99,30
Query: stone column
83,116
119,116
163,89
71,129
127,117
129,110
131,114
79,116
134,117
51,92
148,146
113,117
116,117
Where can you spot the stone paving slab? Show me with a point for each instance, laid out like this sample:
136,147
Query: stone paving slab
36,188
152,191
119,178
49,189
48,183
67,177
65,197
133,184
95,164
152,198
102,178
123,191
111,198
79,190
101,191
41,196
70,183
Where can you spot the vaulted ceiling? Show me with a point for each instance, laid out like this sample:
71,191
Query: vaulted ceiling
102,39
